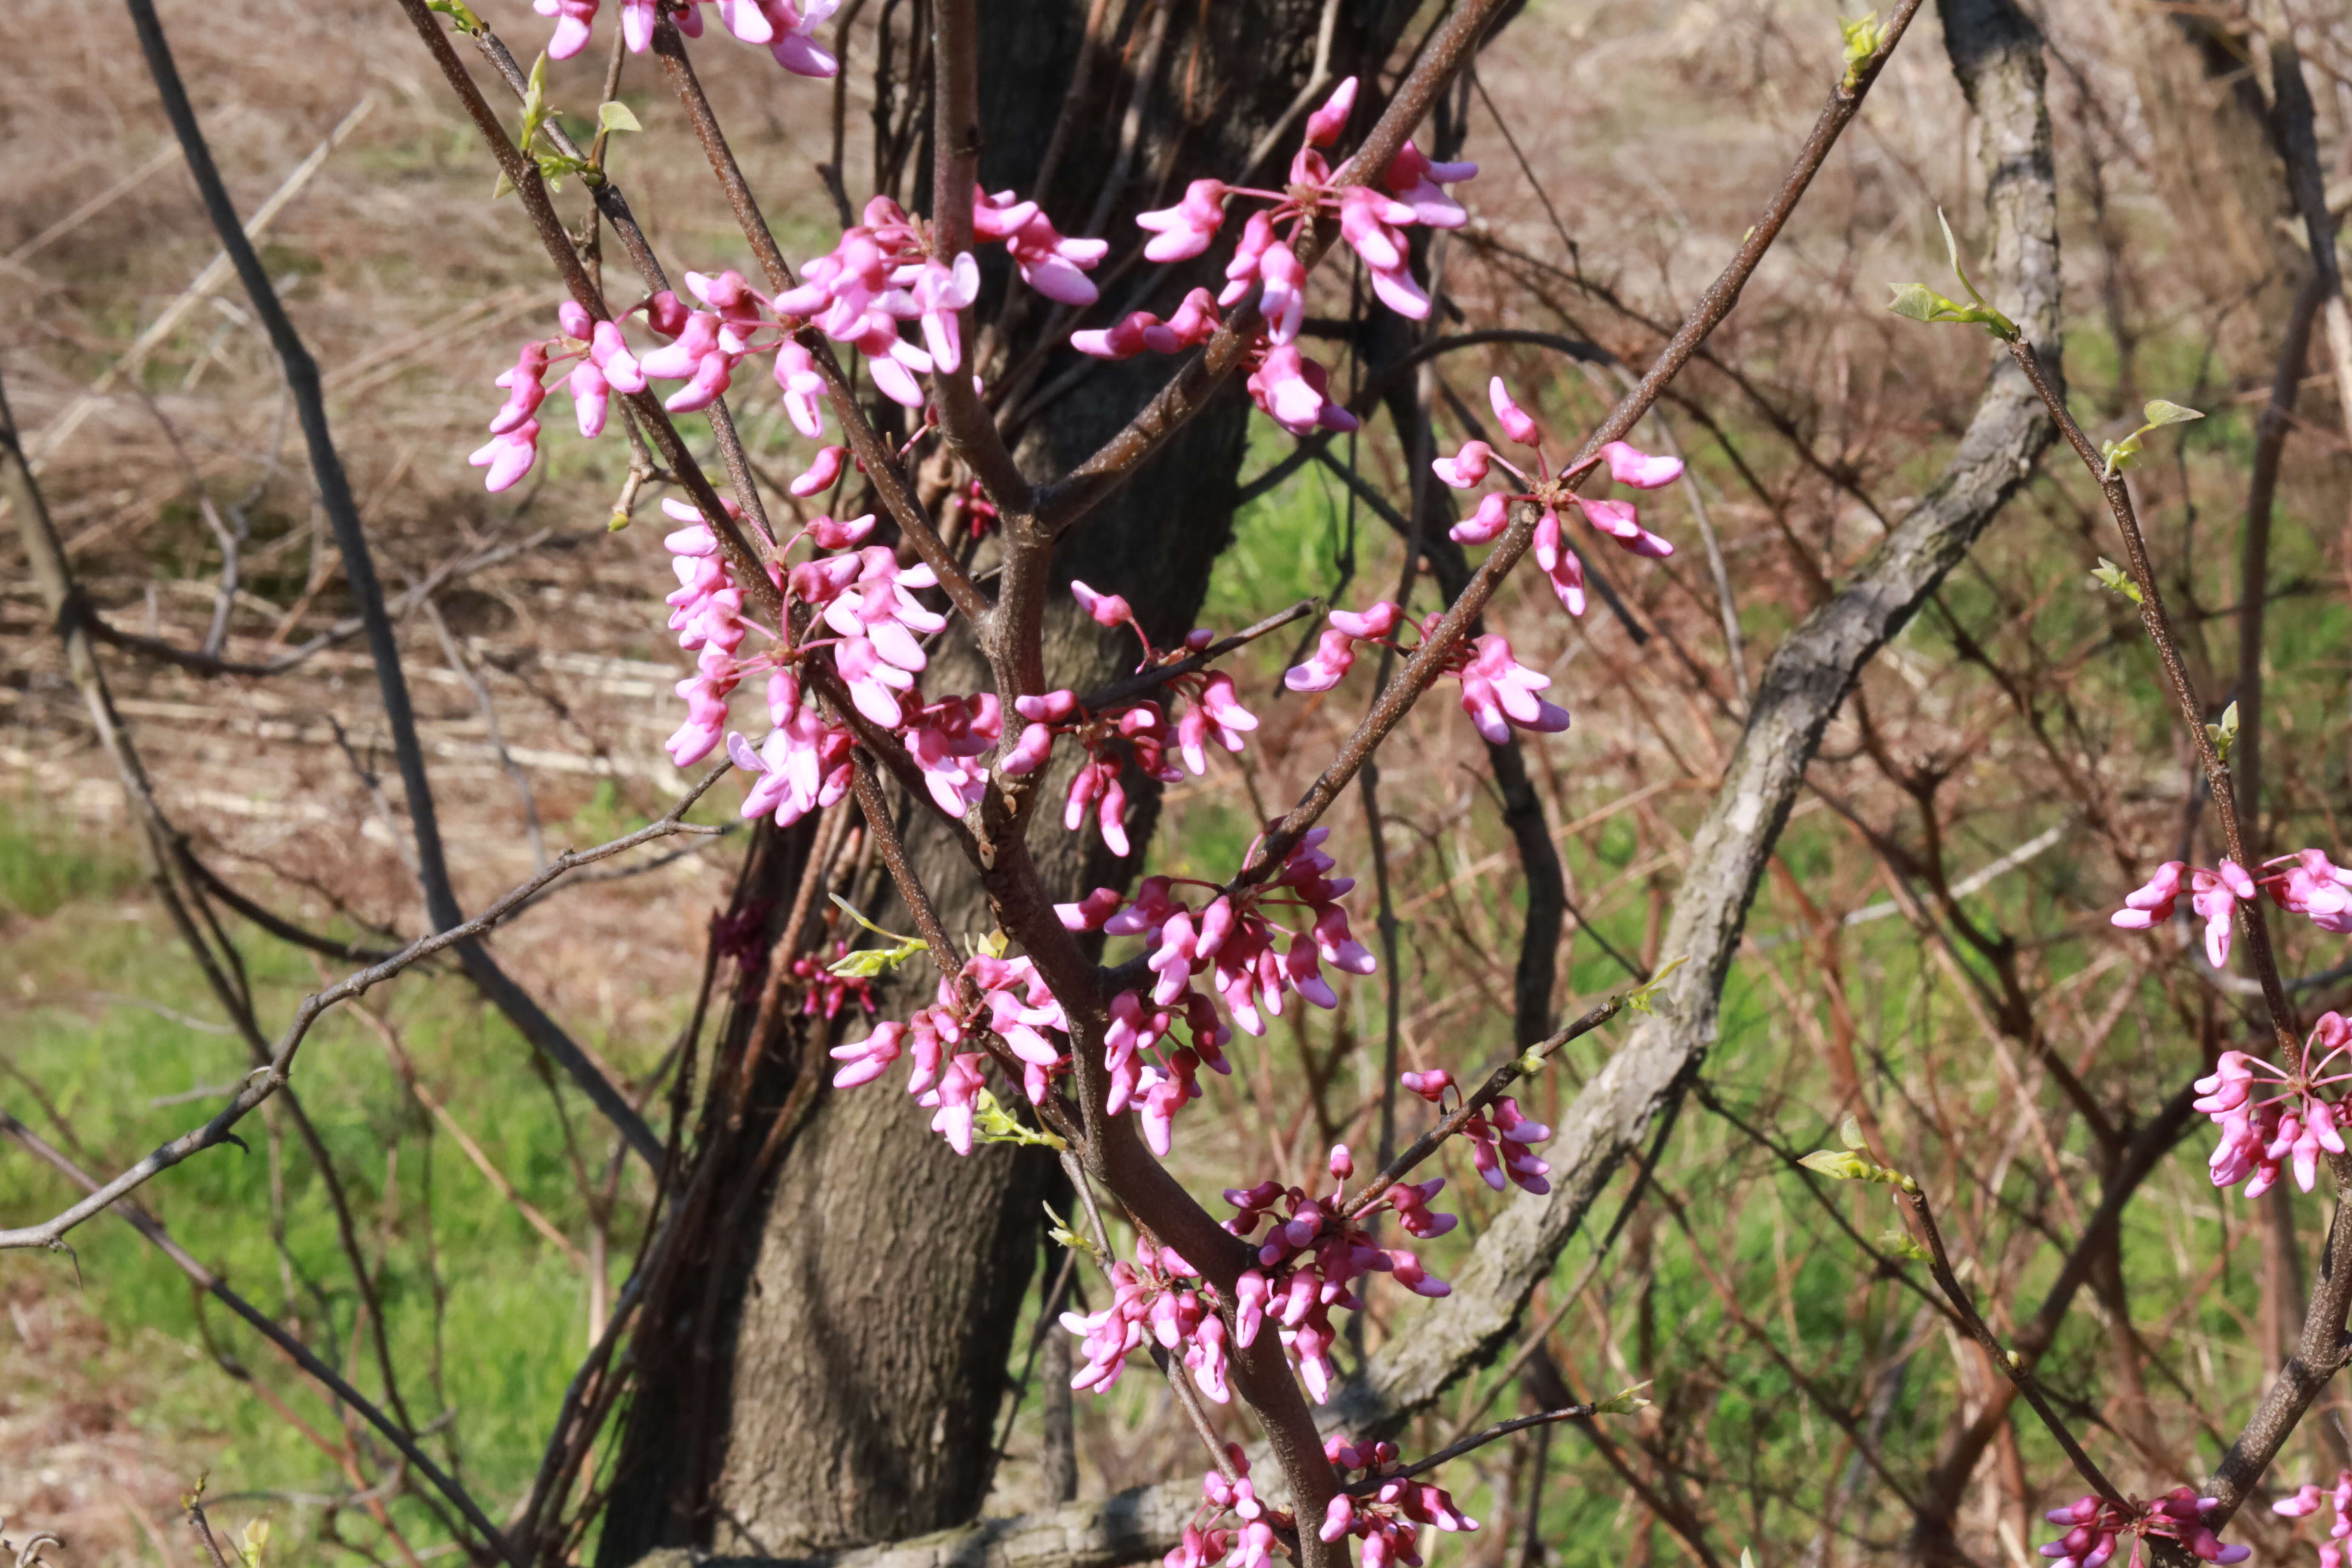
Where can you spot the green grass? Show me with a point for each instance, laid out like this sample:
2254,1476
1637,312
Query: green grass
513,1323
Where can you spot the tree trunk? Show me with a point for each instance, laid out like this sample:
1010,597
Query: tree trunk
827,1369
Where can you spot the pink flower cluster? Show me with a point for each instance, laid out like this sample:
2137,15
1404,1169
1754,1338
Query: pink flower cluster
1291,389
2096,1530
1015,1003
787,28
1208,1541
2259,1135
1385,1512
2213,895
1309,1262
1552,489
1054,266
882,274
1142,730
2306,1500
1161,1297
1501,1135
1306,1267
1235,938
2305,883
824,993
1498,691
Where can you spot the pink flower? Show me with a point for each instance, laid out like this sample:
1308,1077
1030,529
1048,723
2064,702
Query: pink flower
947,739
1185,229
1497,692
1324,124
1106,609
1367,222
2096,1528
1194,323
939,293
1431,1086
574,20
803,388
1054,266
508,455
1630,467
795,46
955,1100
1465,467
1216,712
2214,898
1420,183
1515,421
822,471
1292,390
870,1057
2271,1118
2151,905
1283,299
1621,522
2315,888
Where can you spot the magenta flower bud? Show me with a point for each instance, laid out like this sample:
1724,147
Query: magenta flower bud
1323,128
1467,466
1630,466
1343,1164
1431,1086
822,471
589,399
1486,524
1337,1516
1515,423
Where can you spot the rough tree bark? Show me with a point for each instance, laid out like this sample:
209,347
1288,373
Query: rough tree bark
827,1373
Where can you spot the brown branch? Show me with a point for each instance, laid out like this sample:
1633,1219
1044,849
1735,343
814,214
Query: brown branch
1533,1059
874,454
1428,661
2013,1366
2158,626
971,433
1062,505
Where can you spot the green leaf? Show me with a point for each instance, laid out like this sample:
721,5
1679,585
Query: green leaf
1064,1235
555,167
257,1536
990,1124
1862,37
1898,1242
1838,1165
2225,735
2114,578
917,944
1643,996
1626,1401
1952,252
1920,303
1845,1165
2159,413
614,115
456,10
1850,1134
